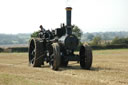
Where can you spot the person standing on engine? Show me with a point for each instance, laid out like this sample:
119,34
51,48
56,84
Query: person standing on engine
42,31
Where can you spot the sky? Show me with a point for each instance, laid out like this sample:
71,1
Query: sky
25,16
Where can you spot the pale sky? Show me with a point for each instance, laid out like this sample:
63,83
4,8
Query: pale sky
25,16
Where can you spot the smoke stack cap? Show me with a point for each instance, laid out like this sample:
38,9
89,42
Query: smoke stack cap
68,8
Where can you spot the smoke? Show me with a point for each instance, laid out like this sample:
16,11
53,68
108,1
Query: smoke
69,3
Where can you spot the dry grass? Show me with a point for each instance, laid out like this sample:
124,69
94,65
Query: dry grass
110,67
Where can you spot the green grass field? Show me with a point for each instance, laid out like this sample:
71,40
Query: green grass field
110,67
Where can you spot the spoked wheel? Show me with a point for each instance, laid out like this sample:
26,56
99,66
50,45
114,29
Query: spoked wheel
55,57
36,53
85,57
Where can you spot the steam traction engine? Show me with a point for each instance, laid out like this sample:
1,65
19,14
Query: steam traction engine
57,47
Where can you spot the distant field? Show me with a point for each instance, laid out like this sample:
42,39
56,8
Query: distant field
15,45
110,67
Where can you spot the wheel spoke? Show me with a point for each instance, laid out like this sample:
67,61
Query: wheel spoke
32,61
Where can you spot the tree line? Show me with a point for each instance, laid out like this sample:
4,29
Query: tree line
103,35
94,39
13,39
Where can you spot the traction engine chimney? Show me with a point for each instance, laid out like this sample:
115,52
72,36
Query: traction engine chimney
68,20
68,17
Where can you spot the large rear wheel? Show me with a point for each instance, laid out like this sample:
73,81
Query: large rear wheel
36,53
85,57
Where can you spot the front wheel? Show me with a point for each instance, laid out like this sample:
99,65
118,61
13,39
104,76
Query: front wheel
55,57
85,57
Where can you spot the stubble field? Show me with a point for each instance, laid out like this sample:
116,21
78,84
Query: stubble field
110,67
